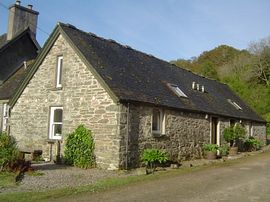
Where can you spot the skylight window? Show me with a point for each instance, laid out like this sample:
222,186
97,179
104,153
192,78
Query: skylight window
237,106
177,90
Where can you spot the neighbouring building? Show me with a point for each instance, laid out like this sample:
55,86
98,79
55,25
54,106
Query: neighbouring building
130,100
18,48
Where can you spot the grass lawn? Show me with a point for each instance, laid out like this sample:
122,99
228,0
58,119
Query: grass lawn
106,184
7,180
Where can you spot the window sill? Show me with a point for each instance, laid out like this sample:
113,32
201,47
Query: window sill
57,88
157,134
52,141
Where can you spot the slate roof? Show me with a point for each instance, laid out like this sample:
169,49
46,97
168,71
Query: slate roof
133,76
12,53
8,88
3,39
136,76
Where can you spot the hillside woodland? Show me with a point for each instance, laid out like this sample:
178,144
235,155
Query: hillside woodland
247,72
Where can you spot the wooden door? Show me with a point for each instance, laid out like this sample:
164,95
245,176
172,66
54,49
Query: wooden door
214,130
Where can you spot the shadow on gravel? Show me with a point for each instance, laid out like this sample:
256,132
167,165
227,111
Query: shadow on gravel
49,166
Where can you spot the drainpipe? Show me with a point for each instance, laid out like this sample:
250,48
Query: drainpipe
127,136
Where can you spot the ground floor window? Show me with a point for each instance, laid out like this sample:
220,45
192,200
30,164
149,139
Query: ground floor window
250,129
158,121
56,122
5,116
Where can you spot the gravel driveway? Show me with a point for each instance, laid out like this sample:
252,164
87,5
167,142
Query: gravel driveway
60,176
50,175
245,181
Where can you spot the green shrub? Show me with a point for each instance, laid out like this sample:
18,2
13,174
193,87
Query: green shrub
9,152
224,150
228,134
233,134
79,149
239,132
251,144
153,156
210,147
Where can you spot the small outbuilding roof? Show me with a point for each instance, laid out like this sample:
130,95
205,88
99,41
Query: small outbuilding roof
14,52
8,88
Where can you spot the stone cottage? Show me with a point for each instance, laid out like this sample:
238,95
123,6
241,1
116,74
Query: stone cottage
18,47
130,101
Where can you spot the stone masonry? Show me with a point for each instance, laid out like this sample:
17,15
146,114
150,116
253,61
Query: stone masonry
259,132
185,133
83,99
184,136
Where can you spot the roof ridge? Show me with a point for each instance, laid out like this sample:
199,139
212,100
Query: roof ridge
130,48
15,38
110,40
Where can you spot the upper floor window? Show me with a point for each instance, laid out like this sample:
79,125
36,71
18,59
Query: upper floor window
59,71
158,121
177,90
56,122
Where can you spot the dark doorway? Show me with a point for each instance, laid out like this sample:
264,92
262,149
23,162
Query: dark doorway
214,128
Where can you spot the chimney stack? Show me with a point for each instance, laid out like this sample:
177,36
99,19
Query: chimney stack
198,86
20,18
193,85
203,88
30,6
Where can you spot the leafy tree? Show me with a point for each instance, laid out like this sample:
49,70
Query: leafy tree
247,72
208,70
261,66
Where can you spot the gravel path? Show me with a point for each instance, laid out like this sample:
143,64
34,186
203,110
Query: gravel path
245,181
59,176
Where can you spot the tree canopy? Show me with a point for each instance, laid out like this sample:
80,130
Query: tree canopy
247,72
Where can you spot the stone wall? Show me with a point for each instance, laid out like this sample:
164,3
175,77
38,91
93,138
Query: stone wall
185,133
259,132
254,129
83,99
184,136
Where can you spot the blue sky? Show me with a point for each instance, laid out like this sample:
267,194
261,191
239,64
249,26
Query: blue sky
167,29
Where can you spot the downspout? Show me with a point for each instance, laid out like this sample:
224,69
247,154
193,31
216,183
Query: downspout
127,136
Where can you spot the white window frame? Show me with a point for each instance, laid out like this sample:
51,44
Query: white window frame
251,129
5,117
177,90
59,70
52,124
161,127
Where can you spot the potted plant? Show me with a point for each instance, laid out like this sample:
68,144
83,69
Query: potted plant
210,151
233,135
